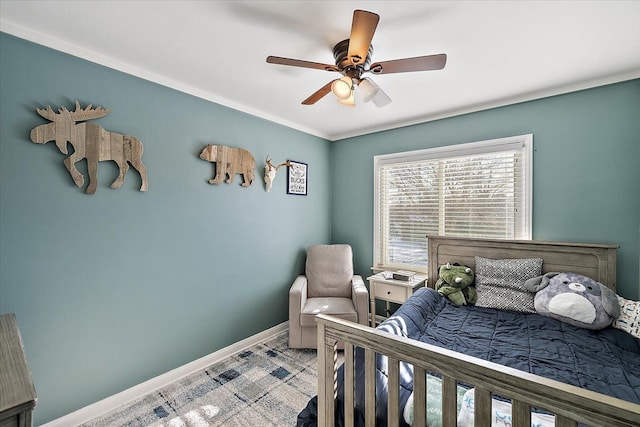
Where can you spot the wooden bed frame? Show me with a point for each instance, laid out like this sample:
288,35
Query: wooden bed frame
570,404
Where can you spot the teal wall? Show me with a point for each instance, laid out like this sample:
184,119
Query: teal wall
115,288
586,185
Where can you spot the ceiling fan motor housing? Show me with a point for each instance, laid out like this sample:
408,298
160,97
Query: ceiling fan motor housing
344,64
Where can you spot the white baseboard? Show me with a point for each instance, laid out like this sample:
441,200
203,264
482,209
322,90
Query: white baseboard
108,404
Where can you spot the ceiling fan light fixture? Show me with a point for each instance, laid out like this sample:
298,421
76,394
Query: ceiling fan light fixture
350,100
368,89
342,88
381,99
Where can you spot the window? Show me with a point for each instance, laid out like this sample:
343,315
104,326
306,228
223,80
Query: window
479,189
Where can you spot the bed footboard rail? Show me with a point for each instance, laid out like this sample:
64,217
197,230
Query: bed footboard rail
570,405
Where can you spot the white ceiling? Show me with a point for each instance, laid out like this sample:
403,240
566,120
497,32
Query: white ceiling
499,52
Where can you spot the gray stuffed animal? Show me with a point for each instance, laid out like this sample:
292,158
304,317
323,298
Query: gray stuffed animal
574,299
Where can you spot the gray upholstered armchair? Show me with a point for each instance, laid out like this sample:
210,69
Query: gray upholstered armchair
329,287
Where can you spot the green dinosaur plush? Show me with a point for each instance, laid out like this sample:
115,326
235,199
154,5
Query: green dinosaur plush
455,281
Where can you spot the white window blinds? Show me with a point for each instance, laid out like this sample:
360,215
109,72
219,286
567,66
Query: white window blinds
480,189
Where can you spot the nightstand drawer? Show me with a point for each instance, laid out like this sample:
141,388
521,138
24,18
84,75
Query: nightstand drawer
390,292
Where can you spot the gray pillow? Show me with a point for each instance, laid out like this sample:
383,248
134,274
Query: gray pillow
500,283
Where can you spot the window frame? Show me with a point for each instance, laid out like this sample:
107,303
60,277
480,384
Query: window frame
524,142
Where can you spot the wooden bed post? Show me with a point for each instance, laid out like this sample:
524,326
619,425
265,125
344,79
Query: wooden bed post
327,387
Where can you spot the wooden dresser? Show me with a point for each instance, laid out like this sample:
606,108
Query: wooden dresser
17,393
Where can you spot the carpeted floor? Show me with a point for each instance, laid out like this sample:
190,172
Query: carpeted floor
265,385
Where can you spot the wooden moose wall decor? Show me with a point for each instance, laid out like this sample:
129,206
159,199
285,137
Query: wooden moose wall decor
90,141
228,162
270,171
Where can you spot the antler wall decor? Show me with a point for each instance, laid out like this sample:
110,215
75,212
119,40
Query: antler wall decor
270,171
90,141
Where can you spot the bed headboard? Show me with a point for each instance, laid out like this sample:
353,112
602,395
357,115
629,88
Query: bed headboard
597,261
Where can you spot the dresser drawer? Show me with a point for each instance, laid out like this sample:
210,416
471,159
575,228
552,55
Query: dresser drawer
391,293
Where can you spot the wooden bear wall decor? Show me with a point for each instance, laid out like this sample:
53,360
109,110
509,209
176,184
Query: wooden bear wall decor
228,162
90,141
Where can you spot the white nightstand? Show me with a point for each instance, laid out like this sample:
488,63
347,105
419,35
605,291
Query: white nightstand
390,290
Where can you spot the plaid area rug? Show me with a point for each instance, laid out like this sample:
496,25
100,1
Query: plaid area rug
265,385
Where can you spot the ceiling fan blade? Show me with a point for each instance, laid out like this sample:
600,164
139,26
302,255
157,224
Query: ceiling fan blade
419,63
317,95
300,63
362,29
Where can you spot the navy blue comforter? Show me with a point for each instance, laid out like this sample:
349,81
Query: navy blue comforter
606,361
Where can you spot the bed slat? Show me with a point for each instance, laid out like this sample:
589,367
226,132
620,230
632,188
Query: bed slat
419,396
565,422
393,399
482,406
521,413
370,387
449,406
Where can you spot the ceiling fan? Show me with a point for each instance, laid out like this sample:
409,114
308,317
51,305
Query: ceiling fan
353,59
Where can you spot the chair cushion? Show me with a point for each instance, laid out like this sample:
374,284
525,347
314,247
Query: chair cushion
339,307
329,270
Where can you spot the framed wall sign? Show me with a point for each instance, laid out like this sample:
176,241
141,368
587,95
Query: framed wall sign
297,177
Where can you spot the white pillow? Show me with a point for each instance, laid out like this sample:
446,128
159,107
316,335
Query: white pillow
629,320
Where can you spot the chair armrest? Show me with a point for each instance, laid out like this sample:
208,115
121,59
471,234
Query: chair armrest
297,296
360,297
